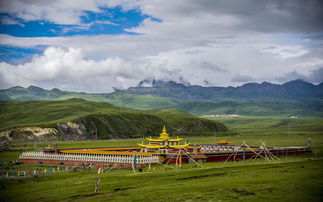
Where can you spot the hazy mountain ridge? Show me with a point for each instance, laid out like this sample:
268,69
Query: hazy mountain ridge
293,90
292,98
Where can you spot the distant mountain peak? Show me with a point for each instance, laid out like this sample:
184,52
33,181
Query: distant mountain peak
146,83
116,89
17,88
35,88
184,81
154,83
297,82
206,83
265,83
56,90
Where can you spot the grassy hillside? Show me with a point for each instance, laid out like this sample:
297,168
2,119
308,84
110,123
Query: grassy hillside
48,113
117,98
103,119
256,108
309,107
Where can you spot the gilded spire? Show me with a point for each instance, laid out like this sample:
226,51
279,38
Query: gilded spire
164,134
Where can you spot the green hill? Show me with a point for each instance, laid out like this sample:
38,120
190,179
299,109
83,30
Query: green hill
256,107
117,98
80,119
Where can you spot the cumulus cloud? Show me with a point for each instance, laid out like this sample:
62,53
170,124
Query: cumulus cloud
60,11
69,69
206,42
66,69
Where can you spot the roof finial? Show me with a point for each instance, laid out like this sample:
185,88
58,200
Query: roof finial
164,134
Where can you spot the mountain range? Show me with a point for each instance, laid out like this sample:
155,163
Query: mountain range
293,90
292,98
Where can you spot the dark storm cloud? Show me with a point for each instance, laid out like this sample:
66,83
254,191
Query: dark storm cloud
267,16
316,36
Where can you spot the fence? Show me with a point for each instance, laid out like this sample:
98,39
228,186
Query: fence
102,158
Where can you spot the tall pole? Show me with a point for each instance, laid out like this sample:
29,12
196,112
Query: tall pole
289,127
134,162
180,158
309,143
244,151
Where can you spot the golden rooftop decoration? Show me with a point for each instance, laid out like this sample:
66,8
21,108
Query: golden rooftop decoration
164,142
164,134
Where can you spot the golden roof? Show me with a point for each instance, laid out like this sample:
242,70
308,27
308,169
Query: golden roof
151,146
223,142
162,140
163,137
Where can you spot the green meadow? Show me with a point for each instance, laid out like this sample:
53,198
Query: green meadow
273,125
292,178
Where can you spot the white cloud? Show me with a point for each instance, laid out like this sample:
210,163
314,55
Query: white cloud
287,51
58,11
214,41
9,21
67,69
70,69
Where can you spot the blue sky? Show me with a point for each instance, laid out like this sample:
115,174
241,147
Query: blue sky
111,21
96,45
107,21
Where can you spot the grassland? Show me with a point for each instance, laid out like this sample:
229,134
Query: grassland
292,178
280,181
288,179
273,125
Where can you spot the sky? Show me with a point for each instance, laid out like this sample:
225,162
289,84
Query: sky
98,45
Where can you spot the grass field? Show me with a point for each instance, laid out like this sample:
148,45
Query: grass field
273,125
280,181
292,178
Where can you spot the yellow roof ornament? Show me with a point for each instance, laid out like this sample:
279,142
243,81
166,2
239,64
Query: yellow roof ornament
164,134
